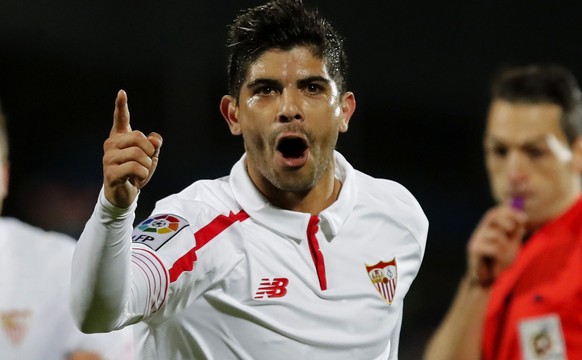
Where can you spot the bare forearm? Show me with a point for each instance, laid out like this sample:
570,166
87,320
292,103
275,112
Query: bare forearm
460,333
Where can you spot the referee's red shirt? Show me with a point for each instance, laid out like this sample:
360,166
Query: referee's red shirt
536,305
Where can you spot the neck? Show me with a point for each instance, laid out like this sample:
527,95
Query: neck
312,201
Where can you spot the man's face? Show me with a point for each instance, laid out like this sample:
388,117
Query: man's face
289,114
528,156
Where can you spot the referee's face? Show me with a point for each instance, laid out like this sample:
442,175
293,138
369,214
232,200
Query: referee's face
289,114
528,156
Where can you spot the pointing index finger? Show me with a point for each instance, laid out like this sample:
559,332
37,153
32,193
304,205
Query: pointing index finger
121,114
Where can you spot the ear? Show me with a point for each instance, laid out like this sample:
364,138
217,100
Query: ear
229,111
577,154
348,107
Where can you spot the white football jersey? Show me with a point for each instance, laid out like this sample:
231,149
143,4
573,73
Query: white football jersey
219,273
35,318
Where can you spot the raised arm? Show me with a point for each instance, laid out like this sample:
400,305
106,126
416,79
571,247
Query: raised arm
102,278
130,158
491,249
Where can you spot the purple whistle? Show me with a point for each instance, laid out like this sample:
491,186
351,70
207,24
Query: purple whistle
518,203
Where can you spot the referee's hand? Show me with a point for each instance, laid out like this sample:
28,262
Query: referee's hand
494,244
130,158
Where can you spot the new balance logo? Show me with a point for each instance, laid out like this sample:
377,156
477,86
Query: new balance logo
272,289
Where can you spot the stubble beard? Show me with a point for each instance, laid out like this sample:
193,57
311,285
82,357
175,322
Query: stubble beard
300,180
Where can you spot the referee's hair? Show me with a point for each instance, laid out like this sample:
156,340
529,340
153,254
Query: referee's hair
543,84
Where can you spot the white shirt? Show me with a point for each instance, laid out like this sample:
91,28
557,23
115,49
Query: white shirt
219,273
35,318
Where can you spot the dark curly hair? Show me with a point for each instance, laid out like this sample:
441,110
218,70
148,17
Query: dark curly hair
282,24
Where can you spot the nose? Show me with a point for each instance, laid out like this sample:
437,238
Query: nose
517,168
290,107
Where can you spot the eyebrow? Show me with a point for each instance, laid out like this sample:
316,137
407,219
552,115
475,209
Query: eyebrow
263,82
274,83
312,79
540,140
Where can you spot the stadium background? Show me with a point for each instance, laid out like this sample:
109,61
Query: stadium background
420,71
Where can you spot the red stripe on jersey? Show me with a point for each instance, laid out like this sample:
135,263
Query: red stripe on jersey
203,236
316,253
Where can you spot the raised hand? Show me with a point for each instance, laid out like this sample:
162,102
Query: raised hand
495,243
130,158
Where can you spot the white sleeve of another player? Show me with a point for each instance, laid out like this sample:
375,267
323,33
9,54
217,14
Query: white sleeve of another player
108,290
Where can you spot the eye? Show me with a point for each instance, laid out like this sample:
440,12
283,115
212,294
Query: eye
264,90
498,150
535,152
314,88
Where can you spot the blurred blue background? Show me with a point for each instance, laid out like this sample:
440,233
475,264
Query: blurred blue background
420,71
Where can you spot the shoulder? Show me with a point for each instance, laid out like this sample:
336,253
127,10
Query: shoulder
388,192
395,201
211,192
36,241
200,202
383,193
35,234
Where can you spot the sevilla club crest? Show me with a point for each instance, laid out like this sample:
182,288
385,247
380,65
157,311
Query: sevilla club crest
15,323
384,276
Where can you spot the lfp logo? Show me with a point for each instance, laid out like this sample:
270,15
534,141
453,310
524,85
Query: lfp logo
156,230
162,224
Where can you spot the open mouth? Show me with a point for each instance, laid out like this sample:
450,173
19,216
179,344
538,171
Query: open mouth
292,148
293,151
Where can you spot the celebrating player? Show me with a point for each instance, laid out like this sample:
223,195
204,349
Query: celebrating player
294,255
